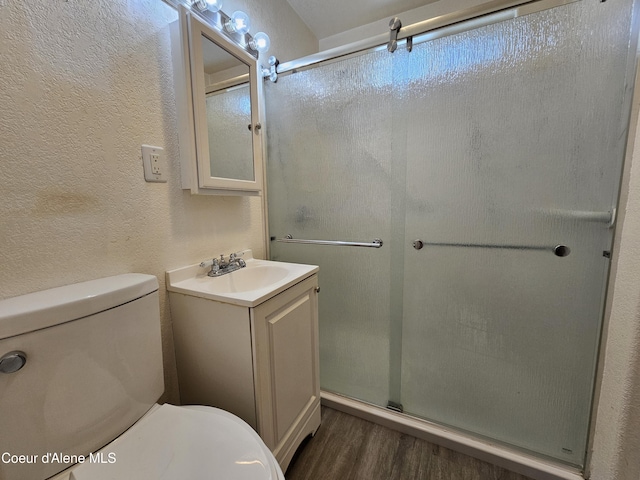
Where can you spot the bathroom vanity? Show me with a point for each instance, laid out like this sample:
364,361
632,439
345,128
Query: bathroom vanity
247,342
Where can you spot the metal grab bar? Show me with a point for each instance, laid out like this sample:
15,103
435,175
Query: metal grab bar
558,250
377,243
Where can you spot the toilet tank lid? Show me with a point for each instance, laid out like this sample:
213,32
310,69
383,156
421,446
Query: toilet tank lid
47,308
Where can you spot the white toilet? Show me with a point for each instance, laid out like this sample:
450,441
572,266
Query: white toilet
80,374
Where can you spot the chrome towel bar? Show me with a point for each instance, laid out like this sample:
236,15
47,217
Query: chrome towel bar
377,243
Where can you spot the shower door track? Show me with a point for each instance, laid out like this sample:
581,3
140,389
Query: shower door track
467,444
424,31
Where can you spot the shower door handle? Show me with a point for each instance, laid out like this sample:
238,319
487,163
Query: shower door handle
558,250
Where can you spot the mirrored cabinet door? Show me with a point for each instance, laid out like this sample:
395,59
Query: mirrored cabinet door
222,86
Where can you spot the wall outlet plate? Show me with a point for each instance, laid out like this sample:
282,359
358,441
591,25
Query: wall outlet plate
155,164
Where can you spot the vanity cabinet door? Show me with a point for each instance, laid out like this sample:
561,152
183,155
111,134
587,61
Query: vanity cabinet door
286,365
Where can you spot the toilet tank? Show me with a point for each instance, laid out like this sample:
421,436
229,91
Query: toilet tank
93,368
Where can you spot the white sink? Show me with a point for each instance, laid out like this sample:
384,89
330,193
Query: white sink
250,286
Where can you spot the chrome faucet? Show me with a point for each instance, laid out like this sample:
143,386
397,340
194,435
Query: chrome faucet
221,267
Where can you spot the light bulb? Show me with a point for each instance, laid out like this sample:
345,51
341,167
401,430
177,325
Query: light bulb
238,23
214,5
260,42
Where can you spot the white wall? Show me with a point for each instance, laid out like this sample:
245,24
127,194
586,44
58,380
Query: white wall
82,86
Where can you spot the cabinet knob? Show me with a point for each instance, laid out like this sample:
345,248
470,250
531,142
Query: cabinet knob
317,289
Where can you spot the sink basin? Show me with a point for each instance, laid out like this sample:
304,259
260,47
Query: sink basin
252,277
249,286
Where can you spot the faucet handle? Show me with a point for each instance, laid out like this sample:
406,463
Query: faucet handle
236,258
214,264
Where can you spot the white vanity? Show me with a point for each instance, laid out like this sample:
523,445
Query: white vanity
247,342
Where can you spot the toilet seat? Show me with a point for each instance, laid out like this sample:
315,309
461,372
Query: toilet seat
189,443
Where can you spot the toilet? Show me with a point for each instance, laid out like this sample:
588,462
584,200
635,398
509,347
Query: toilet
80,377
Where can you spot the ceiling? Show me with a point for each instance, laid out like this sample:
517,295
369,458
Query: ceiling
329,17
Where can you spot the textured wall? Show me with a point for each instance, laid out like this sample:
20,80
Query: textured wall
82,86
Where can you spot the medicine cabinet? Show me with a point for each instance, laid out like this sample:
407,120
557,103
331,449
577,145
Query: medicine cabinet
218,94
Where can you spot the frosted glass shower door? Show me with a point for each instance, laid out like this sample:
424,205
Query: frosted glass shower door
329,176
515,140
492,147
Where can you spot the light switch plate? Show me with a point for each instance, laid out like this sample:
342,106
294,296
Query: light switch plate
155,165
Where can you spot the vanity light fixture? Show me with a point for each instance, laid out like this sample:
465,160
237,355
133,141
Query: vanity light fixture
235,27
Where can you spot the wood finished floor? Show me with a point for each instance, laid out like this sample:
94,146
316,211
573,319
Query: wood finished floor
349,448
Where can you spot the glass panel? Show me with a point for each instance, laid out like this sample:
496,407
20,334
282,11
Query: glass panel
330,177
511,135
516,135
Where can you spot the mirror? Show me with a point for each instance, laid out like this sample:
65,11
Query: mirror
217,92
228,113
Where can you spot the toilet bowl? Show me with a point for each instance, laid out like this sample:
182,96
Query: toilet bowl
192,442
81,372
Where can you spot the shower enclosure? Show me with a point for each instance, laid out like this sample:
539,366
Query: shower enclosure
488,162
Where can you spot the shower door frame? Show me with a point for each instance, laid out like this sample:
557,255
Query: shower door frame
450,24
